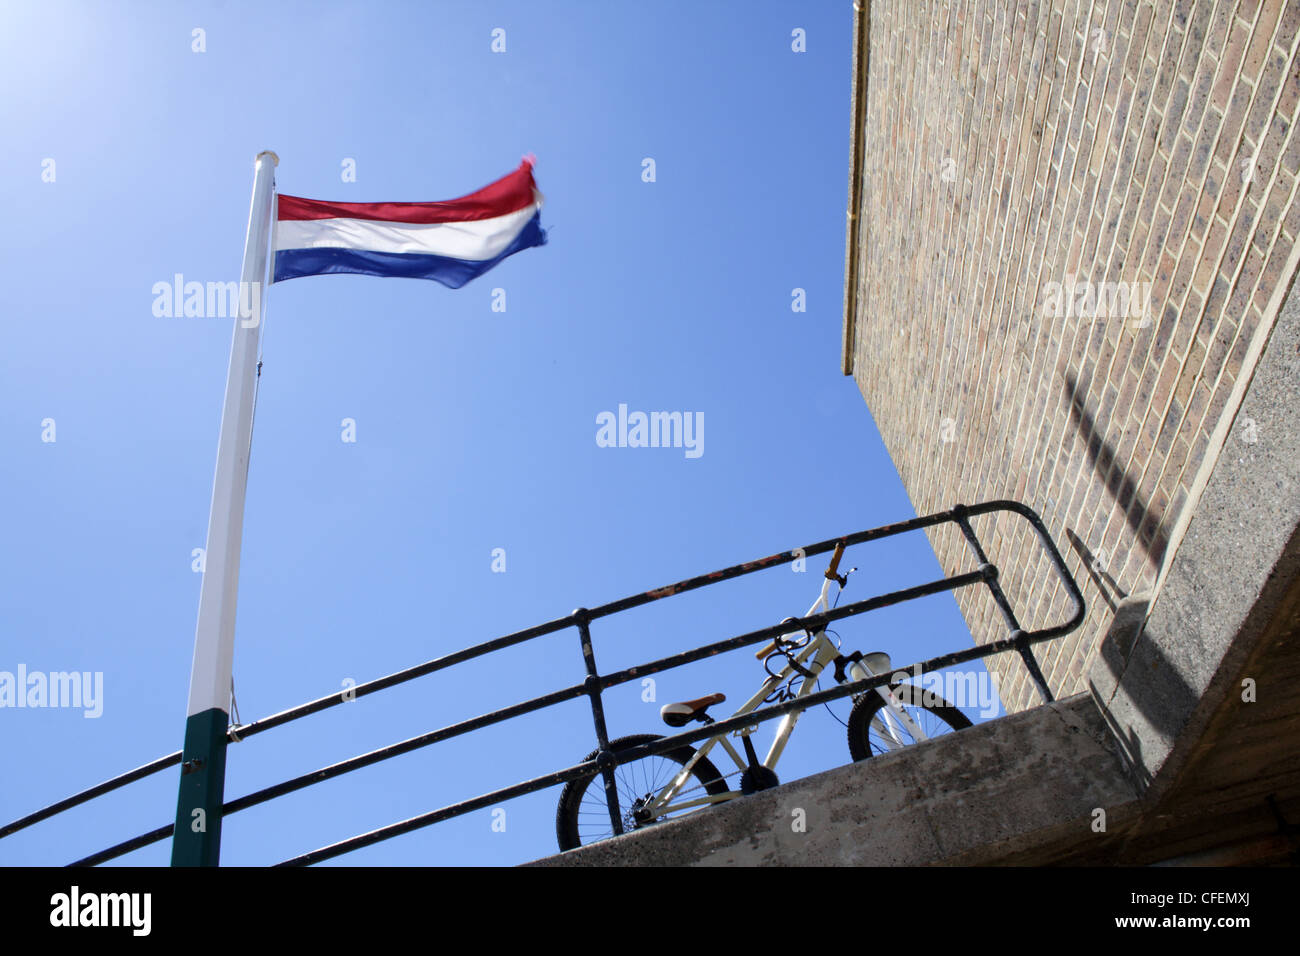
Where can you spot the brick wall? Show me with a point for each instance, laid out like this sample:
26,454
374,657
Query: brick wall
1010,145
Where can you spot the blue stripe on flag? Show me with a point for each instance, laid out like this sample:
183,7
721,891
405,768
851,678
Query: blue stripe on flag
295,263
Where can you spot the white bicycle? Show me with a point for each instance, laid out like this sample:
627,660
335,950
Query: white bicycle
665,786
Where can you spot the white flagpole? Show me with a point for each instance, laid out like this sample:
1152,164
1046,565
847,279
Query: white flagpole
197,838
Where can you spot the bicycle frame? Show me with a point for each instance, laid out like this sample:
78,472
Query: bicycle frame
813,658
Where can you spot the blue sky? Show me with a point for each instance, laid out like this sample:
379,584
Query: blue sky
475,429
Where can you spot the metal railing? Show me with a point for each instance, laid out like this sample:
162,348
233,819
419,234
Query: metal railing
593,686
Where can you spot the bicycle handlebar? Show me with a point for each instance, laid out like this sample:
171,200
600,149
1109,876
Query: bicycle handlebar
832,574
833,571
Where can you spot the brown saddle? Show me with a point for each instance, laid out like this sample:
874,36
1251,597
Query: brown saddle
682,713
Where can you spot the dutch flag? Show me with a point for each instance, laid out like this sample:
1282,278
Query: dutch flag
451,241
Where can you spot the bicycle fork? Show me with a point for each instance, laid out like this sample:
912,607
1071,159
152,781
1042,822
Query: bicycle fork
894,716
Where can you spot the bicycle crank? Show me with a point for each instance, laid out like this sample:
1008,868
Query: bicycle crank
756,777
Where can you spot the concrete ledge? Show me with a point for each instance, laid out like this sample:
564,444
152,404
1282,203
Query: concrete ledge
1007,786
1227,584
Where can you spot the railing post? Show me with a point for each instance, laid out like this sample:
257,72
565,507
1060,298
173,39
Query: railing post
990,573
604,759
1031,664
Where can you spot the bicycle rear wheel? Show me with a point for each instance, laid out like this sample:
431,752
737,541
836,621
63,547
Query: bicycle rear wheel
932,715
582,818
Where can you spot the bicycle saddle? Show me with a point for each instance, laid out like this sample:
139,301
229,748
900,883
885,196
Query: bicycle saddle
681,714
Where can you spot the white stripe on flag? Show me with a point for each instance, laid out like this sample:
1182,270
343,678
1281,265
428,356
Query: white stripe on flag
476,240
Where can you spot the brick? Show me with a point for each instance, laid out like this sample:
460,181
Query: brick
1199,402
1288,24
1218,296
1261,40
1234,118
1181,220
1262,109
1270,215
1240,235
1218,401
1220,345
1207,266
1229,64
1271,274
1174,114
1290,95
1187,377
1237,182
1249,274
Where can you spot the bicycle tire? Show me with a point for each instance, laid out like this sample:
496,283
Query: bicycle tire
862,745
586,795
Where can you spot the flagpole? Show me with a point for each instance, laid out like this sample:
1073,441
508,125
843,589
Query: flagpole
197,837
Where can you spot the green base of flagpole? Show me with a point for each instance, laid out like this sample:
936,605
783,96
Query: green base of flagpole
197,838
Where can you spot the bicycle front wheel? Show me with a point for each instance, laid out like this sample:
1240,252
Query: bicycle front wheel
869,734
582,817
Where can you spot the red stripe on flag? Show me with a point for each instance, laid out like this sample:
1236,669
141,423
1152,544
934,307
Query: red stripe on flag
508,194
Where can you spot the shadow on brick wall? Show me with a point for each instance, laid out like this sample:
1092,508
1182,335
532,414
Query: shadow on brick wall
1107,586
1101,457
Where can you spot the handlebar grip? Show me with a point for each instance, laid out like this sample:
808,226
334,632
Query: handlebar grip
833,570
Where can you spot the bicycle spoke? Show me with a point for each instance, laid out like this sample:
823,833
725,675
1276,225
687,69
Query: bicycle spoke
887,723
637,783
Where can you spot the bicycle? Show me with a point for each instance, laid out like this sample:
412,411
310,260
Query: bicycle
661,787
